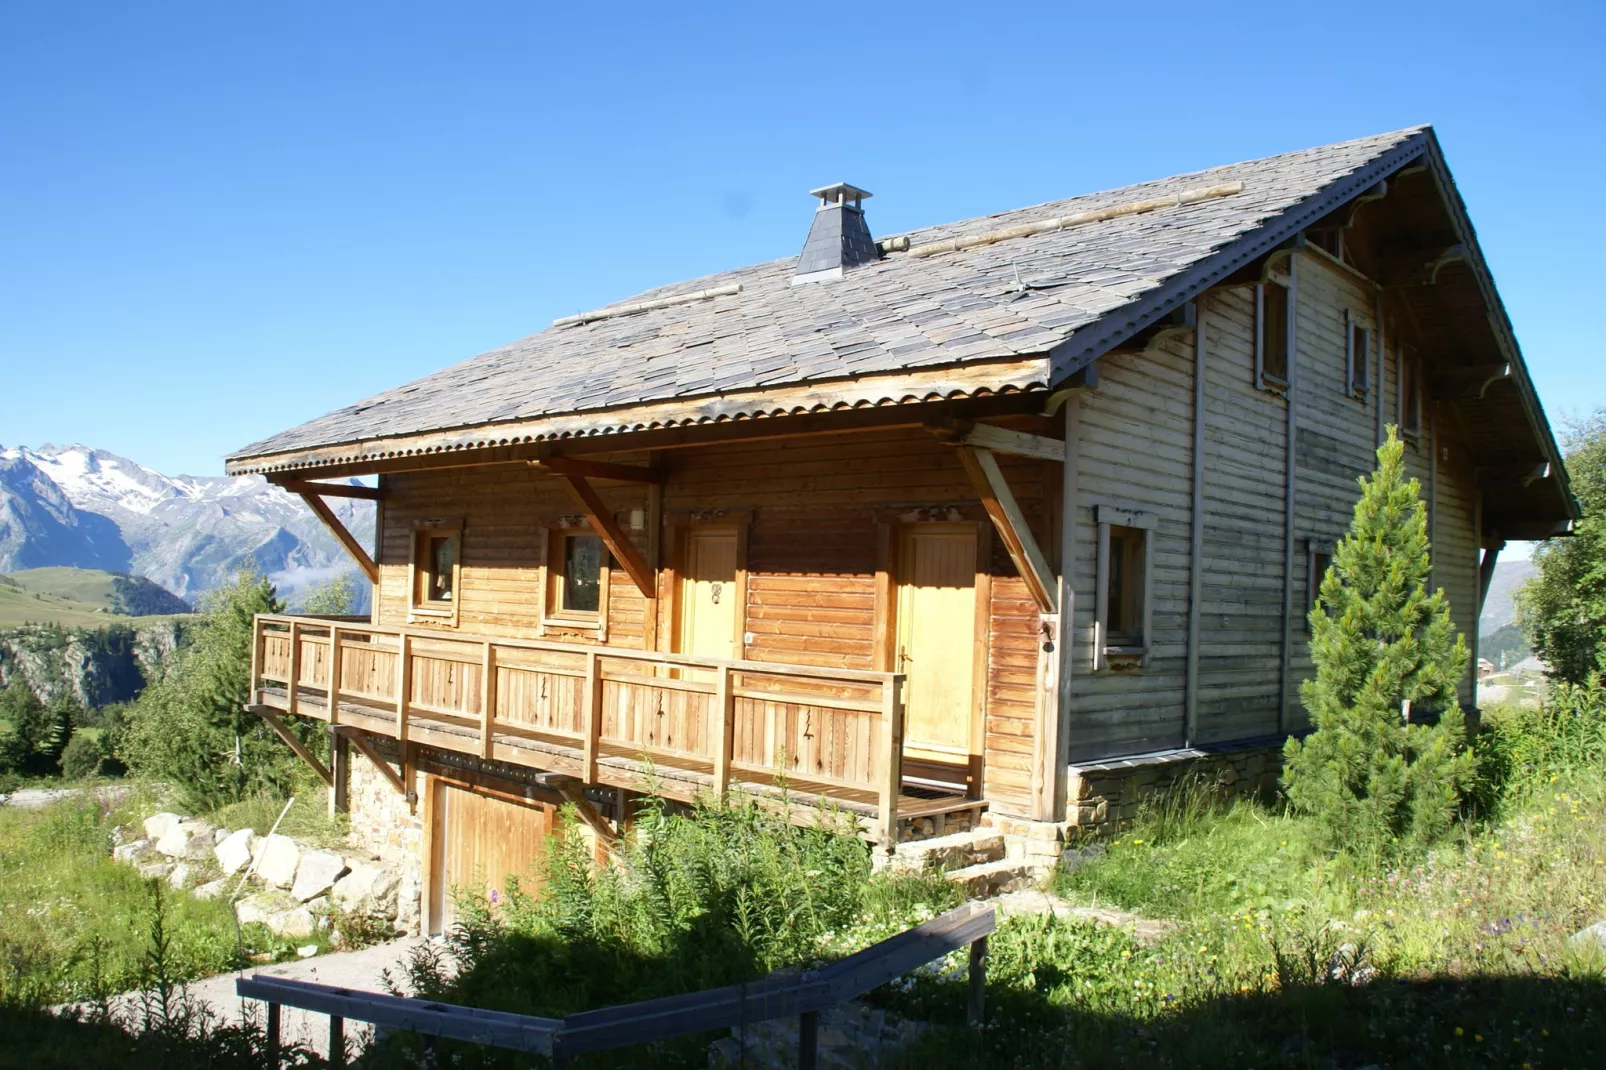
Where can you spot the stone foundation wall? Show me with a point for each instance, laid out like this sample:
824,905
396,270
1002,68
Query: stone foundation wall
383,822
1112,791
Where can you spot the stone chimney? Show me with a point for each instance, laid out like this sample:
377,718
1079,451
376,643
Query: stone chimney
838,239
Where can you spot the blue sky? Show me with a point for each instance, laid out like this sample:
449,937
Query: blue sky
220,219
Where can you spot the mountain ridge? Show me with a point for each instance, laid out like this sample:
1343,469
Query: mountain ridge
83,507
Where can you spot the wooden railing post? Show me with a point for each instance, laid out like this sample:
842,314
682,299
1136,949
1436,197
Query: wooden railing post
256,660
975,1006
337,1041
487,698
295,667
892,754
272,1029
591,717
724,711
334,675
404,682
808,1040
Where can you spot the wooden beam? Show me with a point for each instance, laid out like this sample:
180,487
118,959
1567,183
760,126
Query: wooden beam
331,490
367,750
572,466
573,791
282,730
1491,555
1466,384
1006,516
1000,440
344,537
613,536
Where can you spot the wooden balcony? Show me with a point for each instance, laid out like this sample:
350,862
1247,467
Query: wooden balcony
675,724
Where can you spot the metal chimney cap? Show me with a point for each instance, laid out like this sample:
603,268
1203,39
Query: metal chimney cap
840,193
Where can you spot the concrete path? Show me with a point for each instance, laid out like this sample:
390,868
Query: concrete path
39,798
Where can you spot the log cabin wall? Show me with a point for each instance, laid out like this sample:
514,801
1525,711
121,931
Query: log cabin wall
817,510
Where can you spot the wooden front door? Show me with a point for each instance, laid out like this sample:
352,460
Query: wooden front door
710,610
937,641
478,839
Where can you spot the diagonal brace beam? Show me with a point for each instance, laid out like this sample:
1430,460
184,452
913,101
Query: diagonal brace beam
613,536
334,490
1006,516
366,749
343,536
282,730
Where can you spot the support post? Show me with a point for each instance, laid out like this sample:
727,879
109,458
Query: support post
337,1041
1190,716
1059,753
487,699
975,1004
892,754
340,768
404,683
724,710
282,730
294,686
591,717
272,1038
808,1040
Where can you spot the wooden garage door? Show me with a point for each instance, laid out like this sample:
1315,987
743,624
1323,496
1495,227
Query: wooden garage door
478,838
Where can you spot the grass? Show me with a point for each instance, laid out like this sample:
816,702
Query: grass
308,820
71,597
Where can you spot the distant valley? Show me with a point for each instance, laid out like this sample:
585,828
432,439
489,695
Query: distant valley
79,507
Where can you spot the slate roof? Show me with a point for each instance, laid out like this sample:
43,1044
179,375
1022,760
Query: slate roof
1028,296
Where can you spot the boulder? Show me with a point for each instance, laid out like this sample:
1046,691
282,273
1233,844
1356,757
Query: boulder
155,871
317,874
280,858
281,914
187,840
407,901
368,889
234,851
180,875
1589,938
134,852
219,835
213,889
157,825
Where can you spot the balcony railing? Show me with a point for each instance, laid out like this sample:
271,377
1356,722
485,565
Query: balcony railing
675,723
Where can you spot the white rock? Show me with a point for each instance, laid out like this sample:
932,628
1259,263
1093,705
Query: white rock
187,839
1590,937
155,870
212,890
157,825
133,852
278,913
317,873
368,889
280,857
219,835
306,951
180,876
234,851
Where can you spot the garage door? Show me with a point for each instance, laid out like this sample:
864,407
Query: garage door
478,838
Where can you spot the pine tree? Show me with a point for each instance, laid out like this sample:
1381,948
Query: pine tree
1374,772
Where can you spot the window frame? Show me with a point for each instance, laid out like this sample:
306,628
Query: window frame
554,615
1264,379
1357,357
1409,374
1315,550
1108,654
421,608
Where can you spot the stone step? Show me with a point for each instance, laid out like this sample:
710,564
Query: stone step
946,853
988,879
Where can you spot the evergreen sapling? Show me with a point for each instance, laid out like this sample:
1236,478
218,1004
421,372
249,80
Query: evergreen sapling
1374,772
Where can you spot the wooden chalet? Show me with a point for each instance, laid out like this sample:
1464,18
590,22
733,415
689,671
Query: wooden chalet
957,521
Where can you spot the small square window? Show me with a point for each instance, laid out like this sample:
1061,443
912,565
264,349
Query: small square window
1125,587
577,576
1358,356
436,568
1271,336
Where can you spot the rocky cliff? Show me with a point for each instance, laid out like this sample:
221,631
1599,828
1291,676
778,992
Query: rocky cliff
93,666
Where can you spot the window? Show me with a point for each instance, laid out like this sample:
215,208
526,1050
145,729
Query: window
1358,356
1125,569
1321,559
437,568
577,577
1271,336
1410,370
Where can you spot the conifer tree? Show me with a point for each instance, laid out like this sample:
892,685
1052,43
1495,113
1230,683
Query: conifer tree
1375,771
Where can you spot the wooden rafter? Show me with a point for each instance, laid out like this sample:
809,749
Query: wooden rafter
1006,516
999,439
613,536
342,535
333,490
367,750
282,730
573,791
571,466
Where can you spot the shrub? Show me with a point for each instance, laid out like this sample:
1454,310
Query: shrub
81,757
1374,777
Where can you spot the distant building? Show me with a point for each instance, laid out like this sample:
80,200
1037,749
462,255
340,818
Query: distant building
1485,668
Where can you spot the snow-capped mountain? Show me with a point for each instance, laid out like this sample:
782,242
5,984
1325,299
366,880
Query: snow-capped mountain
187,533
